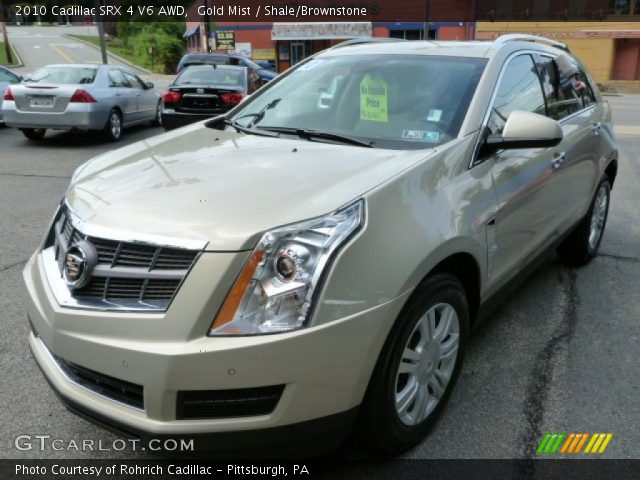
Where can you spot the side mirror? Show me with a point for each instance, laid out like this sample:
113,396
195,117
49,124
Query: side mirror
526,130
148,85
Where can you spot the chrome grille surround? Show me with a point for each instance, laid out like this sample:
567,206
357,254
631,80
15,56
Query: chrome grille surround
131,275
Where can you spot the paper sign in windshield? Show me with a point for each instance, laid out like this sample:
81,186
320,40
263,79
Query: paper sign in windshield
373,99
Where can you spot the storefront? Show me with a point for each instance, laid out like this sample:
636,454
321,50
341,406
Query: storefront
296,41
285,44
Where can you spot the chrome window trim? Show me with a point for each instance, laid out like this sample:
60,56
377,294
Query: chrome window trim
487,114
131,237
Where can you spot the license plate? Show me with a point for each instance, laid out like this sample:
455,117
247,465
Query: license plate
41,101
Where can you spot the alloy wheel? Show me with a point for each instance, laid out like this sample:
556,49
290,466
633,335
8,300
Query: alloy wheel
427,364
116,125
598,217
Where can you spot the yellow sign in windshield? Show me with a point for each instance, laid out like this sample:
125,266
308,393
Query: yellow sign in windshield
373,99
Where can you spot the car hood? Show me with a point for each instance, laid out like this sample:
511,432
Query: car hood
224,188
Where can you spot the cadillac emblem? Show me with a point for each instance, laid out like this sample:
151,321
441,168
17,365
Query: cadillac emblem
79,261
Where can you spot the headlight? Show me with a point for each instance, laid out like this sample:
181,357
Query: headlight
275,290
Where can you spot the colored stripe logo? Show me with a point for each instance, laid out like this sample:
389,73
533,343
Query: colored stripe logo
573,443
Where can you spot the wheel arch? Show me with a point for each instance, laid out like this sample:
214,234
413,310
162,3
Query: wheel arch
464,258
466,269
611,170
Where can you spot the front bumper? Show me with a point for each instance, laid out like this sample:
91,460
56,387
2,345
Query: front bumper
78,116
324,369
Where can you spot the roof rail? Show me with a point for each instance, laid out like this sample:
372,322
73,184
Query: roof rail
523,37
360,41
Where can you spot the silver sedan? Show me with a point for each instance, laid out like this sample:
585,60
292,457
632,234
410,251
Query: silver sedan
7,77
80,97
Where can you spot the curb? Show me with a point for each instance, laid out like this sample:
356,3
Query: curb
112,55
17,57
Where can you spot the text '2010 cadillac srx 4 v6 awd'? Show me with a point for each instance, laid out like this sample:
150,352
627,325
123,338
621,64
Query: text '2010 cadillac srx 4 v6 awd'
314,260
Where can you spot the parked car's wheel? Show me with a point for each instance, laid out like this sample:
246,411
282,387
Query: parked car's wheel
113,128
157,122
583,243
417,367
34,133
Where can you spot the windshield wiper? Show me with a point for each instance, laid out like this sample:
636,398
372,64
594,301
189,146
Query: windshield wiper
258,116
309,134
250,130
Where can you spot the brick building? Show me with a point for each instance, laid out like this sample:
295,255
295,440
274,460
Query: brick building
287,43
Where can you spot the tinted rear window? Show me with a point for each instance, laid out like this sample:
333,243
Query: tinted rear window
63,75
231,77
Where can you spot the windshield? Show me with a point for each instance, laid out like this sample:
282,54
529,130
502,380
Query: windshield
229,77
389,101
63,75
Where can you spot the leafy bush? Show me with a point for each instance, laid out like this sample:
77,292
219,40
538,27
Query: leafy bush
166,37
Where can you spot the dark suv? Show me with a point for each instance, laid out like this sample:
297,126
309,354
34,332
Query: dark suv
189,59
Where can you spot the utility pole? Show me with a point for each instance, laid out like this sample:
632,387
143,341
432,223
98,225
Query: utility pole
103,43
207,26
5,36
427,19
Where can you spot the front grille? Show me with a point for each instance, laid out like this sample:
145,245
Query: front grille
119,390
128,288
128,275
243,402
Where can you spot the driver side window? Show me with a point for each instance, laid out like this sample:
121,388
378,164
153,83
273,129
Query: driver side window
519,89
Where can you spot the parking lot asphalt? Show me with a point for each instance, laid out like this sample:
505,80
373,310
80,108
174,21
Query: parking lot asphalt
560,355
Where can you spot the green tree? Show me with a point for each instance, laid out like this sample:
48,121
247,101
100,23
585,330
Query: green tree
166,40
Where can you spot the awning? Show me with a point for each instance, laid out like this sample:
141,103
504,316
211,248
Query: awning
190,31
321,31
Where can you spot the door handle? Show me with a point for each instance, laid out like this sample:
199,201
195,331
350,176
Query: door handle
558,159
597,128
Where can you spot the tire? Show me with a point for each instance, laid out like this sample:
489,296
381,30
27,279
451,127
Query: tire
34,133
157,122
382,425
583,243
112,131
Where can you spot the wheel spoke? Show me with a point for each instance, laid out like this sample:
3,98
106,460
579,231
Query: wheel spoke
446,320
409,362
419,411
405,397
426,326
449,348
438,385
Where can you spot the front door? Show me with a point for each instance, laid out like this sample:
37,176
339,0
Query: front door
528,192
146,100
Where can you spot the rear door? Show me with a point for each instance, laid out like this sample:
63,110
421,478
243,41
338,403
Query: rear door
571,101
528,191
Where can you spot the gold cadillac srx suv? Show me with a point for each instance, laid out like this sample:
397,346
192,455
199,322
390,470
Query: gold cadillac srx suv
314,260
